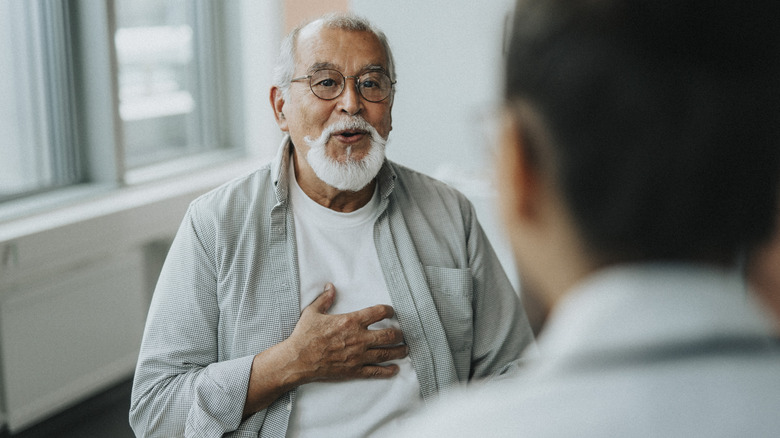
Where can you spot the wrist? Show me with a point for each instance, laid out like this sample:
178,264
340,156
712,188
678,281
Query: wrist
274,372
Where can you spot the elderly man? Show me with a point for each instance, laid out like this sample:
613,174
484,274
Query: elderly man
639,159
331,292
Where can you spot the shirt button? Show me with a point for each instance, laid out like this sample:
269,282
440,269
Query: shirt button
289,406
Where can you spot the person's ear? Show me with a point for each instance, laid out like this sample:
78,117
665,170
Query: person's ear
518,177
277,104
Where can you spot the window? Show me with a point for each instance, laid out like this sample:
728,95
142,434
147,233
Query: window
157,67
167,76
37,133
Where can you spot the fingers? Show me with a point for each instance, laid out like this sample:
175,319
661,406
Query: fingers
342,347
379,371
386,354
325,300
365,317
370,315
377,356
385,337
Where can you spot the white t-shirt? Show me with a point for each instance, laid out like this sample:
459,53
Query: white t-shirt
339,248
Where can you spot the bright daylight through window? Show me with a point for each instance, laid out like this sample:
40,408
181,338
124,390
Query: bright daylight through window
154,72
37,133
158,77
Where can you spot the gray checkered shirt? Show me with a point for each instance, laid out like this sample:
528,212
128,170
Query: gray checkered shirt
229,289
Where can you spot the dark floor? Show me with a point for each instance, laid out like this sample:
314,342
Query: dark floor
104,415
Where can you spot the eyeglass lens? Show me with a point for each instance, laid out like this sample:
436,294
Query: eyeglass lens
374,86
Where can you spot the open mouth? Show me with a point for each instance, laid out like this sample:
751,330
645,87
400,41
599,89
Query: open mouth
350,133
350,136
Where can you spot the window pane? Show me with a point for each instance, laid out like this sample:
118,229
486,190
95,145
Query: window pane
37,134
161,80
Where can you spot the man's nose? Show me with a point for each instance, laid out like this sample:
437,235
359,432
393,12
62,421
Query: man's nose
350,100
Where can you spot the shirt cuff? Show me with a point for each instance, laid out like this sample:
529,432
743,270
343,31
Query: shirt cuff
219,398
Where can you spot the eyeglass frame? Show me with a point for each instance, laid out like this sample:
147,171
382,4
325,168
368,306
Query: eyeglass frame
355,77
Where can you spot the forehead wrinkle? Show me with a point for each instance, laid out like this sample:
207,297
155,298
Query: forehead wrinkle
315,38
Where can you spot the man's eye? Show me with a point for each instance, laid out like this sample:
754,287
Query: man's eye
369,83
326,83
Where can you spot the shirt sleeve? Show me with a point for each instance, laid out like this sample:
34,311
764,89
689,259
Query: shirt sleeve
502,332
180,387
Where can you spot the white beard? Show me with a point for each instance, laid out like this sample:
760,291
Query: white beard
351,175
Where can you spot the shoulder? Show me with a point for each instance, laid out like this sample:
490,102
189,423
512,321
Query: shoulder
419,187
236,198
415,179
630,402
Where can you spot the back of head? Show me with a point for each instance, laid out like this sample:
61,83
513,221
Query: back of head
660,119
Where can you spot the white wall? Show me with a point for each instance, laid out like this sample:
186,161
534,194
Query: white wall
449,63
448,58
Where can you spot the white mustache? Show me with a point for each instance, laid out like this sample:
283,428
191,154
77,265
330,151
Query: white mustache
355,123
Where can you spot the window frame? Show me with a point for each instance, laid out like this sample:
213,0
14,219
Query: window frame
85,106
48,96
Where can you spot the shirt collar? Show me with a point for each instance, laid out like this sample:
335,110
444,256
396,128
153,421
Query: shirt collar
635,305
279,167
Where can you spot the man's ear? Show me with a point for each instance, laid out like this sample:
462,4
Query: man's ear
518,177
277,104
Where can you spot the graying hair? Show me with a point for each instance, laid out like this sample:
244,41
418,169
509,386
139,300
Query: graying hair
285,65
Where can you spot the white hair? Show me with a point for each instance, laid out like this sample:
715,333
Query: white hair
285,66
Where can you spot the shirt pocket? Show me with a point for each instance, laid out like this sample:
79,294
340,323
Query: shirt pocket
452,291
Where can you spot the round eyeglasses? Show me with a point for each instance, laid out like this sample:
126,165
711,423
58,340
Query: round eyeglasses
374,86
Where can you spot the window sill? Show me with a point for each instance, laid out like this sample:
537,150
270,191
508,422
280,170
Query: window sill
84,202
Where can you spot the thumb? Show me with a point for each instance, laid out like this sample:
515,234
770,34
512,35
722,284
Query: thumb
325,300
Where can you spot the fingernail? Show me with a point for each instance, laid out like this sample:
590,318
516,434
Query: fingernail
328,286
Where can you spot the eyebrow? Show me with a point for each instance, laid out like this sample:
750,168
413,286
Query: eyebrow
330,66
374,67
322,66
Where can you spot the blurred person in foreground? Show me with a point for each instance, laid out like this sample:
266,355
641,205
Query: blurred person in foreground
332,291
764,274
638,160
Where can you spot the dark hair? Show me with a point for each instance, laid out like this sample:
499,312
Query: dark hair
662,120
